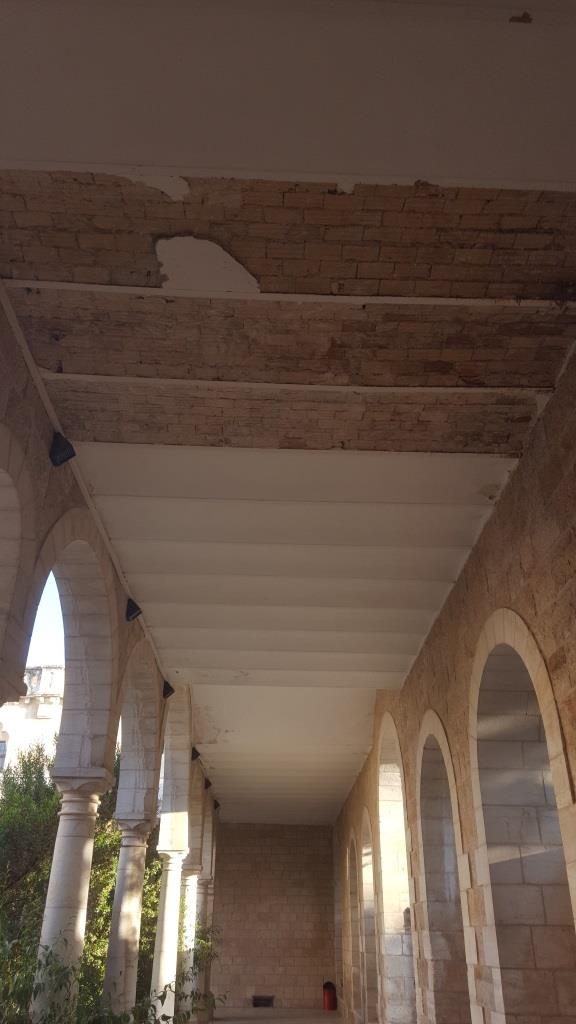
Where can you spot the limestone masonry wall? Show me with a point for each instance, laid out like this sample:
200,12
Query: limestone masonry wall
274,907
518,589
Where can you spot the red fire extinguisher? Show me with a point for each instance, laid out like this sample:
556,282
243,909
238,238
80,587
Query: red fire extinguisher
330,1001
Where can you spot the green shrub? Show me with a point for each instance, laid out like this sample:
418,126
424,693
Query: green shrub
29,805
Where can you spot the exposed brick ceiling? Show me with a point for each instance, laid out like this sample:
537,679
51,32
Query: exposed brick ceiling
295,238
458,364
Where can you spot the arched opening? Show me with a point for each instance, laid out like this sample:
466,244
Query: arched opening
85,748
369,943
357,1000
34,719
446,997
46,648
397,965
536,940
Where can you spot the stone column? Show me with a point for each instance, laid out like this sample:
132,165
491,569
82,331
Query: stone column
203,980
122,963
64,921
189,912
167,928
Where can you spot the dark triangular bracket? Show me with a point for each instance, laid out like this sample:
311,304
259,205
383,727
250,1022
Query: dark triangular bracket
61,450
167,690
133,610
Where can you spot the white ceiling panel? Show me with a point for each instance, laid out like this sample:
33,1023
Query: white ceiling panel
270,617
377,680
323,661
296,522
304,640
167,557
285,592
282,475
286,588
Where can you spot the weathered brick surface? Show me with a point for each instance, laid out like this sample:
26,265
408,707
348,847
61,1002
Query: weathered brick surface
376,240
525,561
157,412
284,342
274,907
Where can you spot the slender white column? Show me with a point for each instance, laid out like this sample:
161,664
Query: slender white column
64,921
189,911
166,947
122,963
209,922
202,896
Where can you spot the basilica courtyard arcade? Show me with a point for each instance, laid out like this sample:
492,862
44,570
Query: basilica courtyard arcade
288,407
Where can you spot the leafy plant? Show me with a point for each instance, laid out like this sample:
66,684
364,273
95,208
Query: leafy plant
29,805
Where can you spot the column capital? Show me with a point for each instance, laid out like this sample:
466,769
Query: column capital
134,832
191,867
172,858
91,783
75,803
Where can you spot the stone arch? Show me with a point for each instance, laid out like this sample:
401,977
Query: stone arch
398,991
442,909
17,549
368,921
141,744
524,811
356,980
75,553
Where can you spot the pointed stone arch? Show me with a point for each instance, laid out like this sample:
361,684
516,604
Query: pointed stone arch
75,553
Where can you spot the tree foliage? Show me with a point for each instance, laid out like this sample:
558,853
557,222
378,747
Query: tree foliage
29,805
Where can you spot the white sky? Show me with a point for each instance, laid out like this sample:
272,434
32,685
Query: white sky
47,643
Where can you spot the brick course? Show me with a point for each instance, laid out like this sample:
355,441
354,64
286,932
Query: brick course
284,342
158,412
377,240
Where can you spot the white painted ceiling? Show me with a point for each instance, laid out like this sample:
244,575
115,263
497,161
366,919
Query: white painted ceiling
286,587
442,90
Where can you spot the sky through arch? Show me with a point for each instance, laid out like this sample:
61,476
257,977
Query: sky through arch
47,641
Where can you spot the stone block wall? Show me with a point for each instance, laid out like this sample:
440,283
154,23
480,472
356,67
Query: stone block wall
274,908
518,589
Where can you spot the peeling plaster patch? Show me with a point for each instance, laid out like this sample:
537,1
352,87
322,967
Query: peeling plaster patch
172,186
195,264
346,186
